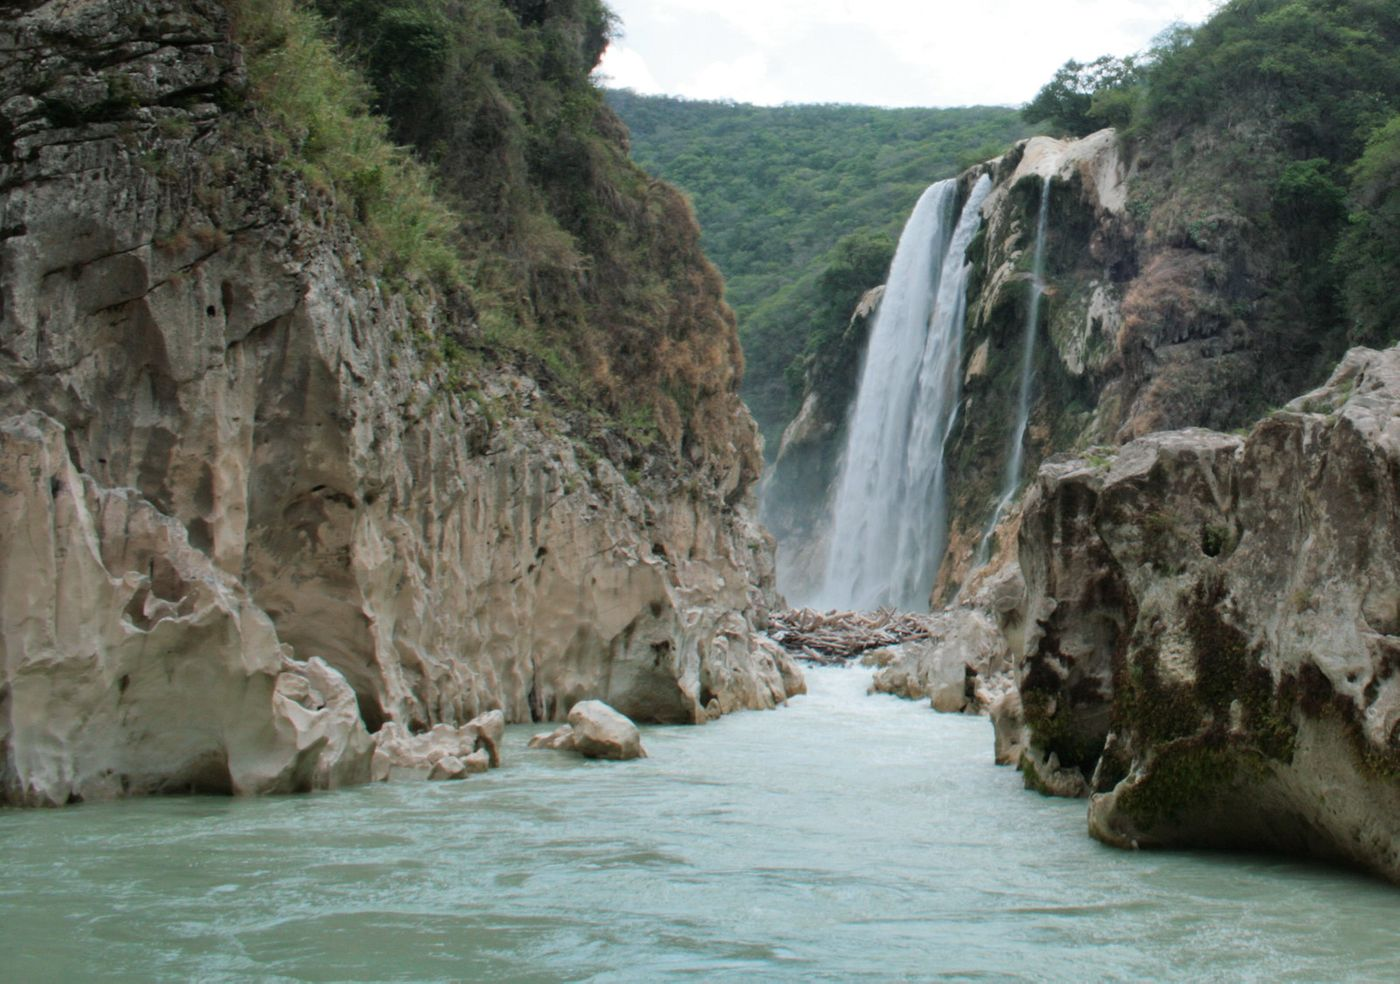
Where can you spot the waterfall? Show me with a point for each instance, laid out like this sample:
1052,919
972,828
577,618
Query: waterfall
889,523
1016,453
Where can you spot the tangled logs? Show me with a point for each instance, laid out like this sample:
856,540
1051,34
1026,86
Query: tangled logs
834,637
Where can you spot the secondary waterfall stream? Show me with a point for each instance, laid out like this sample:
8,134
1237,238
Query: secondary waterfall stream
888,528
1016,451
840,838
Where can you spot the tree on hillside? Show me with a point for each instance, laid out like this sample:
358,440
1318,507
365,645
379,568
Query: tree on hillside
1084,97
1370,247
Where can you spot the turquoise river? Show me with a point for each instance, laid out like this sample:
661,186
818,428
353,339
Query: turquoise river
844,837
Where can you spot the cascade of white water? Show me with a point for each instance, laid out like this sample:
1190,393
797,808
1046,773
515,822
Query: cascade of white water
1016,452
888,520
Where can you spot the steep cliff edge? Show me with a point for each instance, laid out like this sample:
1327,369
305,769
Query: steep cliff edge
1212,257
1214,629
258,504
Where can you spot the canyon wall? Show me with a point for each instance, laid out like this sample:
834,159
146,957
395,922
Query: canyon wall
250,514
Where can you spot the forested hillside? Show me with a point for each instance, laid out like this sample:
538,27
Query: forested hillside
512,194
1267,151
799,207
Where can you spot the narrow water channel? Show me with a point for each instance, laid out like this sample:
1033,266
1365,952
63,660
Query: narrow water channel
844,837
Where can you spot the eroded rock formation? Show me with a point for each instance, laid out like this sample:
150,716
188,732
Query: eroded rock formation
1213,638
473,747
248,520
963,666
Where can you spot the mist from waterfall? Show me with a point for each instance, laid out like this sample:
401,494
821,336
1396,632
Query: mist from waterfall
1016,452
889,516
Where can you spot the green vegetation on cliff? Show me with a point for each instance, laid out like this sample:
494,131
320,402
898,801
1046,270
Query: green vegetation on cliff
1279,120
778,188
513,196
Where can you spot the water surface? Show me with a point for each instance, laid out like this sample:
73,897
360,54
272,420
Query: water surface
843,837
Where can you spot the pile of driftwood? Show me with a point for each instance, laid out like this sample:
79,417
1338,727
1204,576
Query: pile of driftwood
834,637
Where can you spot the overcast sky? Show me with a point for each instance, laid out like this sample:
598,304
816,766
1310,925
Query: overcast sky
875,52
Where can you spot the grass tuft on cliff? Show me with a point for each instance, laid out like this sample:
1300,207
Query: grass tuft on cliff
319,108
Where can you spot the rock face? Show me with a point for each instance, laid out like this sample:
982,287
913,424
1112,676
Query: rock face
1215,629
248,521
964,666
1090,257
132,664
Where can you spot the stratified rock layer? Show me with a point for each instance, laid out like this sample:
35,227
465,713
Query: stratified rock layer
246,522
1213,643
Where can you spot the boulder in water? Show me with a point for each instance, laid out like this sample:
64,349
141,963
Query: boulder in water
957,667
448,767
398,754
561,739
601,732
490,729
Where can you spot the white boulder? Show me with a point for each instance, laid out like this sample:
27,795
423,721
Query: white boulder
601,732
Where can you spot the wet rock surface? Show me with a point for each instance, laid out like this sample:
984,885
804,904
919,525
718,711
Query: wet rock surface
1213,629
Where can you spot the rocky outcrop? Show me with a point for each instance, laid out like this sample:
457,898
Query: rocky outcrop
251,518
474,747
1215,629
964,665
595,730
132,664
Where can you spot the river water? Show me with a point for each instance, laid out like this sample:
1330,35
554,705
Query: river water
844,837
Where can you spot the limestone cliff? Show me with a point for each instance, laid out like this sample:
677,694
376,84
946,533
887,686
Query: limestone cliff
250,513
1143,326
1215,629
1078,392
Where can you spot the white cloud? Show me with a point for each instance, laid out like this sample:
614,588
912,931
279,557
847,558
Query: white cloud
747,78
895,52
623,68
